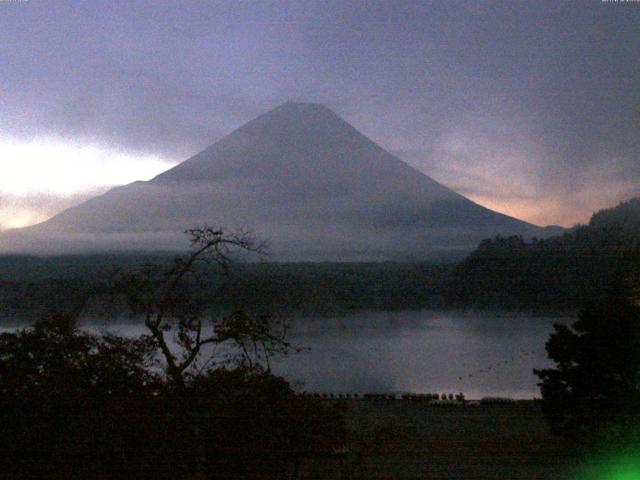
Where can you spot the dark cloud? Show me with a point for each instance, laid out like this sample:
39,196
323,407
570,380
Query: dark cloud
515,103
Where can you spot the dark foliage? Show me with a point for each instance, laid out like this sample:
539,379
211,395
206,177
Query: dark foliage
173,304
28,289
79,405
558,274
76,405
595,388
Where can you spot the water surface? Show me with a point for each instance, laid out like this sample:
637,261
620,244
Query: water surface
418,351
421,351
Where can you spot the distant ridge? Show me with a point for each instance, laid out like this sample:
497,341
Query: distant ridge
299,176
558,274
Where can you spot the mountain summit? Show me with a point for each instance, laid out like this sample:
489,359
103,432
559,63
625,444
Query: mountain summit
300,177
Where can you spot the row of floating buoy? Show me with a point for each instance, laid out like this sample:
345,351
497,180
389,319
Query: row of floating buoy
419,397
327,396
499,365
432,397
380,396
497,401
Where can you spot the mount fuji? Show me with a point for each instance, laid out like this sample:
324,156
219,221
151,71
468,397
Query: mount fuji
299,177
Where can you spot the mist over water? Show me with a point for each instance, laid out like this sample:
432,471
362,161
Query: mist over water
421,351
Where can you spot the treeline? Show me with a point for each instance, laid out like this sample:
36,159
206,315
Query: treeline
31,286
334,288
556,274
78,405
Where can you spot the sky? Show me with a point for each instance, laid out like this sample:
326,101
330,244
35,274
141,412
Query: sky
529,108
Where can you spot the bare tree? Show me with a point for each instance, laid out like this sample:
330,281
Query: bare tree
170,309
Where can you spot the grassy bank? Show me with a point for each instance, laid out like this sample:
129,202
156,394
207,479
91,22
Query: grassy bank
397,439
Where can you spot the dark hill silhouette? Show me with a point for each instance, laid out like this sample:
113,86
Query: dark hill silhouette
559,273
301,178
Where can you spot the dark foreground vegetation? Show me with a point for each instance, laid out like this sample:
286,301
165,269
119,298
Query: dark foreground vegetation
192,398
593,393
75,405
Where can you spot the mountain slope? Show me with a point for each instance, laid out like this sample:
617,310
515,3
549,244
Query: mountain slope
559,273
299,176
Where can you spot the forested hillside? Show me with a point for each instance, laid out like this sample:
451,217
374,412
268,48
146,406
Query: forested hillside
30,286
559,273
556,275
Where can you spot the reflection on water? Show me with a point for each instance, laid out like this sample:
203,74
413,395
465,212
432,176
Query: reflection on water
417,351
421,351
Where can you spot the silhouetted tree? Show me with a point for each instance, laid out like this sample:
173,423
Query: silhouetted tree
78,405
234,417
170,302
595,387
74,404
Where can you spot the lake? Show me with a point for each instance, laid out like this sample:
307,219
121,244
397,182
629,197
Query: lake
419,351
